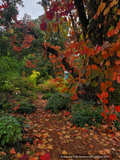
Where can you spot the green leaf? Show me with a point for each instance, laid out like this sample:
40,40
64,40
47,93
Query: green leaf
93,74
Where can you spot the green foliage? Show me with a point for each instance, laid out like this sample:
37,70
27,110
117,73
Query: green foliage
117,124
26,107
33,76
58,102
6,106
43,76
83,113
6,86
115,95
47,95
47,86
9,129
24,85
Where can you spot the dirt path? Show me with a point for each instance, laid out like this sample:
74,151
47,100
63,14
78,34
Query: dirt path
55,135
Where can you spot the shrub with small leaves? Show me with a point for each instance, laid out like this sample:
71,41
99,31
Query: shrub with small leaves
47,95
58,102
85,113
25,107
9,129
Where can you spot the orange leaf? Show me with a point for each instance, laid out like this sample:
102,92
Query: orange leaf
91,146
112,117
111,89
118,11
114,2
108,83
103,86
12,151
55,27
115,76
117,108
107,63
94,67
2,153
106,11
105,54
101,7
105,101
118,53
104,115
117,62
118,79
104,95
19,155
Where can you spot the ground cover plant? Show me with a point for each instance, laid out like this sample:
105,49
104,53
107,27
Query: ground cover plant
58,102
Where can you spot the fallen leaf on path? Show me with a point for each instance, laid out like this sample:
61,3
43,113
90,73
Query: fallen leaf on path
25,157
64,152
91,146
78,137
50,147
12,151
43,131
2,153
45,135
41,146
45,157
38,135
67,136
101,152
50,140
107,151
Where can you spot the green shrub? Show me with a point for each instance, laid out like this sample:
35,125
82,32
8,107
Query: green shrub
58,102
116,123
43,89
83,113
47,86
43,76
47,95
6,86
24,84
6,106
25,107
115,95
9,130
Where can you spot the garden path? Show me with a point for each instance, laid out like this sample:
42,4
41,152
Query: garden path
56,136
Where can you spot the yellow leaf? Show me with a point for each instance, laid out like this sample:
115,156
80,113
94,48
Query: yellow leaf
50,147
19,155
101,152
107,151
64,152
114,2
101,7
49,29
47,36
106,11
67,136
